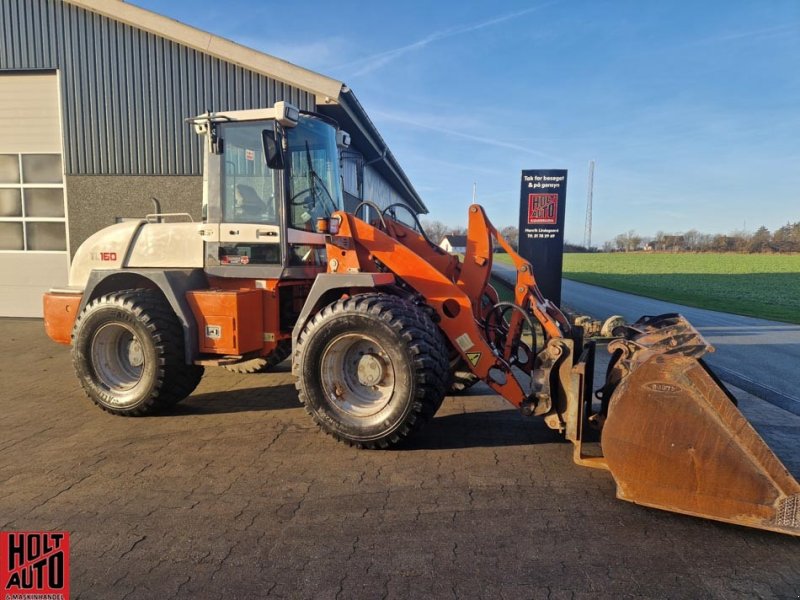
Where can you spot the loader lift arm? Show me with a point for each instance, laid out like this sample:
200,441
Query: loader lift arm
455,293
670,435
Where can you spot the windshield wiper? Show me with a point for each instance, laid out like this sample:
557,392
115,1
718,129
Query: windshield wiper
314,177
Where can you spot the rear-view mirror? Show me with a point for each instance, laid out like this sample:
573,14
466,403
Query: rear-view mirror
273,151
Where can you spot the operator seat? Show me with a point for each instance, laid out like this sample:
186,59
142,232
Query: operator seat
248,204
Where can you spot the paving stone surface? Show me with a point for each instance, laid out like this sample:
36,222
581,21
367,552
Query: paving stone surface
237,495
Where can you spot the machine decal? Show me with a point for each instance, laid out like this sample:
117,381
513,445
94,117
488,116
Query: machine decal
235,259
473,357
213,332
104,256
464,342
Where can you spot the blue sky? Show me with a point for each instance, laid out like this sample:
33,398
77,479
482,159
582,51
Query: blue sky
691,110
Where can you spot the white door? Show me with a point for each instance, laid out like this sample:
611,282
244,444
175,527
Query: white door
33,217
250,233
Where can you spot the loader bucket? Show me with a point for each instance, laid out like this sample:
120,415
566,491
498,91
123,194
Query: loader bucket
673,438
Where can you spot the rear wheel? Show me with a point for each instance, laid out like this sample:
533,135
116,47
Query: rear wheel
263,364
128,353
370,369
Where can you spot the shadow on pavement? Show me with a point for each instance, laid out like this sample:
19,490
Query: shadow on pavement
488,429
277,397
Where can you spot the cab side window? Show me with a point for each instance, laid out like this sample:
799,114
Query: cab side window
248,185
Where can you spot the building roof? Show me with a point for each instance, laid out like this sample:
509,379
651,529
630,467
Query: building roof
333,97
456,241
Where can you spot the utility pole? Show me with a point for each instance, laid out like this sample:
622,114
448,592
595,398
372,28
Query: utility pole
474,191
587,232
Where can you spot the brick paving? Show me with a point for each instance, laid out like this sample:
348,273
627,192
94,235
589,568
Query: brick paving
237,495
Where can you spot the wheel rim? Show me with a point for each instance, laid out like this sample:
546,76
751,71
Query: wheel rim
117,357
357,375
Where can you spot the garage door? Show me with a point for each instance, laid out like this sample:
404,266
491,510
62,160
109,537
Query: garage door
33,219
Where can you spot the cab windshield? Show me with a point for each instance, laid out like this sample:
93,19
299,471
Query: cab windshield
314,183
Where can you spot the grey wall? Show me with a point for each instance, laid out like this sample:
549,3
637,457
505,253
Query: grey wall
95,202
125,92
377,189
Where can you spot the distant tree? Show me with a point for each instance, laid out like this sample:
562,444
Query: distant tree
761,241
575,248
658,240
511,234
787,238
704,242
628,242
739,240
692,239
608,246
722,243
435,230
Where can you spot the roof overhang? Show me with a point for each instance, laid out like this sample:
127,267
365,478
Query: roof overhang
325,88
352,117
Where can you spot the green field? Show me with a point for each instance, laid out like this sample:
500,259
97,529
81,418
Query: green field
758,285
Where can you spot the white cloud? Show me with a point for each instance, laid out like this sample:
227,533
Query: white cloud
761,34
317,55
430,122
376,61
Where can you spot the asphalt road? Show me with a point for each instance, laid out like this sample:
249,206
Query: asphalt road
235,494
759,356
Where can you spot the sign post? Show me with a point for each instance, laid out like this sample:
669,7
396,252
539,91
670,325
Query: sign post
543,196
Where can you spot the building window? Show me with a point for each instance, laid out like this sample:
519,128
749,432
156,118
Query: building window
32,216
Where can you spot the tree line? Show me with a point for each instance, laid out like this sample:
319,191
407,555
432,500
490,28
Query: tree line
436,231
783,239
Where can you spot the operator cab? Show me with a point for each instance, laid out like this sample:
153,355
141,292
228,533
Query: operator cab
269,175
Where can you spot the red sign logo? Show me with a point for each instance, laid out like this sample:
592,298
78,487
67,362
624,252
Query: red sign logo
542,209
34,564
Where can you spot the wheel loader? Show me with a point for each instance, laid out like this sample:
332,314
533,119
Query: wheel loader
377,319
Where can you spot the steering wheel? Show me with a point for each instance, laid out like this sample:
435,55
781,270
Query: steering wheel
303,201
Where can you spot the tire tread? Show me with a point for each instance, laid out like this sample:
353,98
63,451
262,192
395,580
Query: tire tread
175,379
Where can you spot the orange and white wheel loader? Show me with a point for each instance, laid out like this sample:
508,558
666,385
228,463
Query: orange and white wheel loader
377,318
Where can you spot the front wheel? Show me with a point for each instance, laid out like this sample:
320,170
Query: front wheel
128,353
370,369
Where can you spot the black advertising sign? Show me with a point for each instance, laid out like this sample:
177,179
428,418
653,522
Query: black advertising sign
543,197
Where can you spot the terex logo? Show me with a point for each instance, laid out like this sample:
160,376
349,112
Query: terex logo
104,256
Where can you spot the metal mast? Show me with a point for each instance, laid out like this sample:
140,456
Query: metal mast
587,232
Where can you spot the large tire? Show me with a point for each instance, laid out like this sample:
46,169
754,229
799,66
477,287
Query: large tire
128,353
372,369
263,364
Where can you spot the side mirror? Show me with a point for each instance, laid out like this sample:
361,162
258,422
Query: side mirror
273,151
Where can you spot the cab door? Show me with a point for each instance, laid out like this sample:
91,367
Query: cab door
250,238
